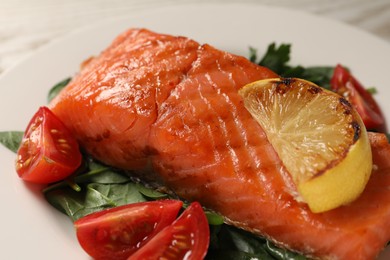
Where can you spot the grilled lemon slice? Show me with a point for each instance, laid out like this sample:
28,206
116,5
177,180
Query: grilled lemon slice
318,136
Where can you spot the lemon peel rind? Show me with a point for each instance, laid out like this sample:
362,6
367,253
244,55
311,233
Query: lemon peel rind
321,198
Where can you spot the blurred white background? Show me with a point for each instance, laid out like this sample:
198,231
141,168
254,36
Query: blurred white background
26,25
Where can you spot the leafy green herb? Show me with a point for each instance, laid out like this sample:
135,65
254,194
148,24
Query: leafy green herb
11,139
150,193
103,187
97,187
319,75
228,242
372,90
214,218
253,54
277,59
282,254
117,194
57,88
92,197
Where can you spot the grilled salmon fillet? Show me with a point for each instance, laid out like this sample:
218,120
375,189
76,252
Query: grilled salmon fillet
168,109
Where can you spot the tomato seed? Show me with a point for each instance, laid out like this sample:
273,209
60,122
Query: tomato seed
180,237
168,255
179,228
173,248
54,131
181,244
126,237
19,166
26,142
27,162
48,160
65,146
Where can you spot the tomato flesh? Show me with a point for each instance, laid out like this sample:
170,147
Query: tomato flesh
187,238
118,232
349,87
48,151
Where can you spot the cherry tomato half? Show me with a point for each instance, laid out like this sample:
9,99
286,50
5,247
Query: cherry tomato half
187,238
347,85
48,151
118,232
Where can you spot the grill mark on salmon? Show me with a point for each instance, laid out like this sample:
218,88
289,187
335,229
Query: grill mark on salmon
171,103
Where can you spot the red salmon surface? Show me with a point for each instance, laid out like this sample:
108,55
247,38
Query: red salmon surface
168,109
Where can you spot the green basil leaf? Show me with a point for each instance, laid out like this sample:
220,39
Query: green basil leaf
320,75
11,139
93,165
150,193
119,194
92,198
70,202
228,242
98,197
245,242
53,92
276,58
237,242
235,255
372,90
102,175
283,254
214,218
107,176
252,54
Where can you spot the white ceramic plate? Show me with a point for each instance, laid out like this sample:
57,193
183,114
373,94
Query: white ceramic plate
30,227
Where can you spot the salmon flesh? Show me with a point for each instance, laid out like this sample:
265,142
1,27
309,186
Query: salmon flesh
168,109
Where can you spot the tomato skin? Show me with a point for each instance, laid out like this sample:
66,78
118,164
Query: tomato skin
48,151
118,232
186,238
349,87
